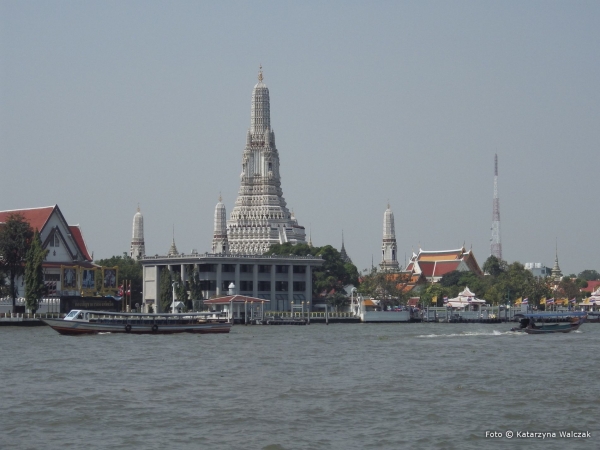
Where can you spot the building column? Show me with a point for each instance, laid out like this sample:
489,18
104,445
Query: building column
219,280
273,292
237,277
254,280
308,293
183,273
290,284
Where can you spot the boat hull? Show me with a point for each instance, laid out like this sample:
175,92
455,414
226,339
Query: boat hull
74,328
550,330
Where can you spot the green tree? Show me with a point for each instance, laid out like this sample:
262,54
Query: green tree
333,275
338,300
181,290
34,273
450,278
195,288
15,238
536,290
514,282
589,275
130,270
385,286
494,266
568,288
165,289
433,295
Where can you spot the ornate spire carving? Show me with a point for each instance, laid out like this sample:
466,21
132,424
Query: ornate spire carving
389,261
138,247
260,216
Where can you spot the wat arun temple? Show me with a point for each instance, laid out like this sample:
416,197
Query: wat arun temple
260,216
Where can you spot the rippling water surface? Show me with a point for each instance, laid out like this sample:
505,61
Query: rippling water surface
370,386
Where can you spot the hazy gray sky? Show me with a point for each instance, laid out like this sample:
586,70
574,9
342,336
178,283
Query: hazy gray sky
108,104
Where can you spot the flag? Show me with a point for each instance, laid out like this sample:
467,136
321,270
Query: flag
469,299
573,300
525,300
550,301
445,299
121,291
543,301
434,300
519,301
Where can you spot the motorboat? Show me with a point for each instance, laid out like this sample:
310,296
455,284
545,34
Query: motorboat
546,323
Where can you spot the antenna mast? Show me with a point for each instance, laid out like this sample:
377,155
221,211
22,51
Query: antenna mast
496,245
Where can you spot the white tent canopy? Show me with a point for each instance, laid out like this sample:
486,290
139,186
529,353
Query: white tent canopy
465,298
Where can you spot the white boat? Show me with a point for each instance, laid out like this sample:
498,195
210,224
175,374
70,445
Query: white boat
81,321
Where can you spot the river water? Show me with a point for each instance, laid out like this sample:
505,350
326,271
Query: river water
361,386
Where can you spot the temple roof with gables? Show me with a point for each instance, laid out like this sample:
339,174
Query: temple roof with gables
435,264
52,225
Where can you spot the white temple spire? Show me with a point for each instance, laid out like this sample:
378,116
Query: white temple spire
260,216
138,247
389,261
220,243
173,249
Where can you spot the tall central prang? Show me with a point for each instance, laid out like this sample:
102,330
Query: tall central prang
260,216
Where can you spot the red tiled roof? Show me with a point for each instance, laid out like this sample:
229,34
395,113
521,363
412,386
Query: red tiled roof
78,238
427,267
443,267
37,217
591,287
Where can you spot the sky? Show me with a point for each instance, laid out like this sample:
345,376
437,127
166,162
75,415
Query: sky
105,105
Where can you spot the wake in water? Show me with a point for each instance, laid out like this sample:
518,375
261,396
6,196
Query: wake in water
469,333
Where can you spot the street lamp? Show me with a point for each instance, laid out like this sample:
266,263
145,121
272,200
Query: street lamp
175,283
354,309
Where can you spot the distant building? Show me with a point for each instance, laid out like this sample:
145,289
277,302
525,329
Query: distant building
281,280
556,273
343,253
538,270
260,216
433,265
220,243
68,264
138,247
389,248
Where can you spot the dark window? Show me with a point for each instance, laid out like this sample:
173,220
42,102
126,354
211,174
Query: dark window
264,268
246,286
246,268
299,286
208,285
226,284
264,285
228,268
299,269
207,267
281,286
282,269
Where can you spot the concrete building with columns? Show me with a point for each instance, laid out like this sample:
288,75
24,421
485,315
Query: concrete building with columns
281,280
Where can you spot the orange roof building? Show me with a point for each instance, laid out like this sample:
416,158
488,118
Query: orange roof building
67,255
433,265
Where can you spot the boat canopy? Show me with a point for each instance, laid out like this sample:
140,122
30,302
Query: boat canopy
555,314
